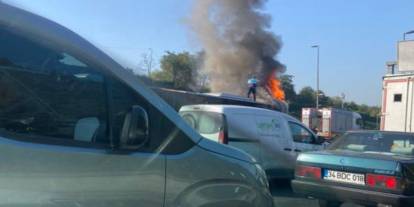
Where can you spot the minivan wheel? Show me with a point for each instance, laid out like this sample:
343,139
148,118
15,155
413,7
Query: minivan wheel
325,203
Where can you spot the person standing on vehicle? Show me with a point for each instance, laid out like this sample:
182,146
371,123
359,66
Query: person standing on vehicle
252,82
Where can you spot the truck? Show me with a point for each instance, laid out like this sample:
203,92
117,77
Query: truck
331,122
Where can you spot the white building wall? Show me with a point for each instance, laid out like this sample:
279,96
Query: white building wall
398,115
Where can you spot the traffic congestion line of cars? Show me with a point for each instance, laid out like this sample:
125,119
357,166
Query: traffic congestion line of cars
77,129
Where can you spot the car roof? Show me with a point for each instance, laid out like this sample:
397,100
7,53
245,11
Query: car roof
221,108
381,131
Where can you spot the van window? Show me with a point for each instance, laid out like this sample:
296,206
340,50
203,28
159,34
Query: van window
300,133
49,94
208,124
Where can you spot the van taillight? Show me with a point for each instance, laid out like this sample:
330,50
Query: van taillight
308,171
384,181
222,137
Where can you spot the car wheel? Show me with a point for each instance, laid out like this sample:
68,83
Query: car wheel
325,203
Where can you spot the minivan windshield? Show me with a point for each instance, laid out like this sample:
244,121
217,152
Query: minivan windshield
376,142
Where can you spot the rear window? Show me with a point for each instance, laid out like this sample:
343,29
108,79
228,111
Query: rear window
376,142
204,122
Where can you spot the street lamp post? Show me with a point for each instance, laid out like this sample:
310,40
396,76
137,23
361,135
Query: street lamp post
406,33
150,62
317,75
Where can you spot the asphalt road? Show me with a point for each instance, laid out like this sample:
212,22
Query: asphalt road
284,196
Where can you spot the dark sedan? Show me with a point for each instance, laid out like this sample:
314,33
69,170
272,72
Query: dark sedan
366,167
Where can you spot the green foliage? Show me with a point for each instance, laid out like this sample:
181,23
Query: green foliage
306,97
290,94
177,68
160,75
335,102
288,87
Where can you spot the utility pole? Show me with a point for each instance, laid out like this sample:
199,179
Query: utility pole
317,75
343,100
150,62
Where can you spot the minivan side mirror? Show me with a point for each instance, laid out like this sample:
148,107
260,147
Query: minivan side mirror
320,140
135,131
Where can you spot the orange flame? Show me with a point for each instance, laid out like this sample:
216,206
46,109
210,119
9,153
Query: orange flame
274,88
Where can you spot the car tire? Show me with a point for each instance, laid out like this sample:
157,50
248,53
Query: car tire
325,203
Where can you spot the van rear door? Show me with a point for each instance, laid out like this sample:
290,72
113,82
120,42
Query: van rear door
242,134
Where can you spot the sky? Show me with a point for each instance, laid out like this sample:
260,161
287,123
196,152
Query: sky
356,37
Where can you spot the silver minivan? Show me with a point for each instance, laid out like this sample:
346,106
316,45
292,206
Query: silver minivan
76,129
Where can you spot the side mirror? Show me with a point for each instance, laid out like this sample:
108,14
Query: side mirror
320,140
135,131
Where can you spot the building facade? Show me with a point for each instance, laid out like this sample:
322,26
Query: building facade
398,91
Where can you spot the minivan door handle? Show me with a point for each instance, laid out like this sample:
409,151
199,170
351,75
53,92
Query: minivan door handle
287,149
298,150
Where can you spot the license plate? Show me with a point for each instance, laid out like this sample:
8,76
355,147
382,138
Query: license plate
344,177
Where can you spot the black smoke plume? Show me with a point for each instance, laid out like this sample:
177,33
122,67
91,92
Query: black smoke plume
237,42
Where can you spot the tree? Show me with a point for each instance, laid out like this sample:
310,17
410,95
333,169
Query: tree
306,97
177,68
352,106
335,102
288,87
324,101
290,95
162,76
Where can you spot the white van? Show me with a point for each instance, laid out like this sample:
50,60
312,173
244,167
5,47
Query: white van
273,138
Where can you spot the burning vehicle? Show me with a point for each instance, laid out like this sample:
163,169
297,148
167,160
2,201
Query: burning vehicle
238,44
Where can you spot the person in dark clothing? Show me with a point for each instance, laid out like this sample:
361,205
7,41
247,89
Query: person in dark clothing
252,82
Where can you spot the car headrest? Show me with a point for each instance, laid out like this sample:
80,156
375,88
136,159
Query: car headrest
402,150
356,147
86,128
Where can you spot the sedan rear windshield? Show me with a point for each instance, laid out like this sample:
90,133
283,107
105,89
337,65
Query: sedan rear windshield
376,142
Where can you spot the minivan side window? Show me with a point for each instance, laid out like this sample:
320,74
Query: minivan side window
49,94
300,133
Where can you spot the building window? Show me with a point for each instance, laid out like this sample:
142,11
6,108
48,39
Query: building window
397,97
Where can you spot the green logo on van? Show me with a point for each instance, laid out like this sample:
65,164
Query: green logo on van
271,126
